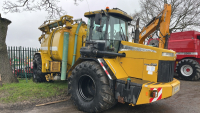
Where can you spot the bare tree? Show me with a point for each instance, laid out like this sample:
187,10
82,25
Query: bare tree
75,1
185,13
33,5
51,6
5,67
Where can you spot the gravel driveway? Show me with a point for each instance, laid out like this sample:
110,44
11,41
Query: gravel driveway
187,100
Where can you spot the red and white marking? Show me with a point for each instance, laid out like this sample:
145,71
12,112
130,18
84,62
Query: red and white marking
159,94
104,68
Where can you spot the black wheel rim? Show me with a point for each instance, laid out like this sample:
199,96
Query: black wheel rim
86,88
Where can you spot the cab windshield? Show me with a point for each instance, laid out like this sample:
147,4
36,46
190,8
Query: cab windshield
92,29
116,29
113,30
116,33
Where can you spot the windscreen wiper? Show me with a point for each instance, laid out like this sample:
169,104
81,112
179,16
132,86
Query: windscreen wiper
123,37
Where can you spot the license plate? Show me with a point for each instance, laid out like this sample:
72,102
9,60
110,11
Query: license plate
176,89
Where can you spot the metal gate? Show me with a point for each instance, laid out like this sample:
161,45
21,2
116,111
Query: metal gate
21,60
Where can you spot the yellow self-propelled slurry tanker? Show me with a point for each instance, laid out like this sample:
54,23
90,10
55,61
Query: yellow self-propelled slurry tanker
102,67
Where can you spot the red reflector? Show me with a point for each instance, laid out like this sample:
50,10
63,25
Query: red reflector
154,94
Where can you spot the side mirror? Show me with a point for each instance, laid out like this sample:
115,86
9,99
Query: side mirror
132,33
137,32
133,30
98,18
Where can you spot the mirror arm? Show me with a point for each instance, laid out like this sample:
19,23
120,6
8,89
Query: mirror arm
104,12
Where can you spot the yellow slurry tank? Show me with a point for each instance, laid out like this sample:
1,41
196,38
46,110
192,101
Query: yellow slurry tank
52,44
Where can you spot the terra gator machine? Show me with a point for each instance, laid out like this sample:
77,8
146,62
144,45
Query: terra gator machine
101,66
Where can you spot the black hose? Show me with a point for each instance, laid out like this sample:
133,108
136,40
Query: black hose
108,53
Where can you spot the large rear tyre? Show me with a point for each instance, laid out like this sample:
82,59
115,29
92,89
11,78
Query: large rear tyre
188,69
89,88
38,76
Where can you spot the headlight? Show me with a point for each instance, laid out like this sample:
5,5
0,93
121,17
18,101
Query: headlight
168,54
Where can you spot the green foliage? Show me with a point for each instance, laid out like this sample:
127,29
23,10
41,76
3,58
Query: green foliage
22,91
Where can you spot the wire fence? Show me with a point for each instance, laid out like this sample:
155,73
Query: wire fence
21,60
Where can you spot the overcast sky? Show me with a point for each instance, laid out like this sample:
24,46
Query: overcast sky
23,31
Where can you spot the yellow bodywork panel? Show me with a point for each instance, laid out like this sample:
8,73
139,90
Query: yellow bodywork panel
133,67
116,68
141,51
45,61
167,90
150,72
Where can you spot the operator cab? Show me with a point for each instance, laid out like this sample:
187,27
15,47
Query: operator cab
106,29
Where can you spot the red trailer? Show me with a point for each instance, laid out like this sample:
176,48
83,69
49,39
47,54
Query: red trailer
187,47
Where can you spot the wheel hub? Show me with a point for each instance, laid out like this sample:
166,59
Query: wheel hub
86,88
186,70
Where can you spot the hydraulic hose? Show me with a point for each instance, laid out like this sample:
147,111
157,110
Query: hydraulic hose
75,43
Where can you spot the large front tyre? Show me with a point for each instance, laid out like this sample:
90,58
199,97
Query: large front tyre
188,69
89,88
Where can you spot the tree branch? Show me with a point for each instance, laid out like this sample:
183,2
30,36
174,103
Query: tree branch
185,13
33,5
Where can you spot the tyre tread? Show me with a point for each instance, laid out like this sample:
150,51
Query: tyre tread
106,94
196,69
40,77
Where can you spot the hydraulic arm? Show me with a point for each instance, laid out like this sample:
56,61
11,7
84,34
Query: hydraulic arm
161,23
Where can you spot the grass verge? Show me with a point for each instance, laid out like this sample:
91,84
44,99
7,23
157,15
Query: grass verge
22,91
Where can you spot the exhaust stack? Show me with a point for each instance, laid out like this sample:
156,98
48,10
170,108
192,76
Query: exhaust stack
137,32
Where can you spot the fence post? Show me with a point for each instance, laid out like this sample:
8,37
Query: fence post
8,52
19,61
25,70
11,58
14,60
26,55
30,58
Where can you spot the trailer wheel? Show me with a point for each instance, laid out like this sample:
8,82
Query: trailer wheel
38,76
89,88
188,69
